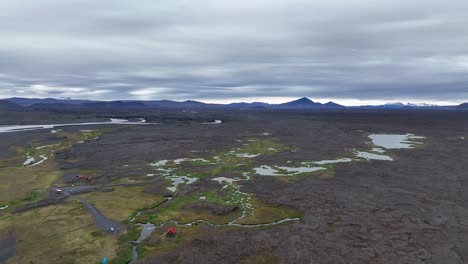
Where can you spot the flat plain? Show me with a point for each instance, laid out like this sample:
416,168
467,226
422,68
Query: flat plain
238,186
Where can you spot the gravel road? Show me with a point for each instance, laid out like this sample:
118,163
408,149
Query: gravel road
100,219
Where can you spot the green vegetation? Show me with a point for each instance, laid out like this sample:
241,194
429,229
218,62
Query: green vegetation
30,197
174,210
211,196
63,233
157,242
19,181
71,230
29,153
235,162
263,213
129,180
124,254
122,203
199,162
16,183
199,175
262,147
34,196
230,161
90,135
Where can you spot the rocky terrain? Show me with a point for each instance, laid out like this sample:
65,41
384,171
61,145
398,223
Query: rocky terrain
258,186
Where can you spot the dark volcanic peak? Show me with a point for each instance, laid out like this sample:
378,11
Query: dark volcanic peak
301,101
305,102
334,105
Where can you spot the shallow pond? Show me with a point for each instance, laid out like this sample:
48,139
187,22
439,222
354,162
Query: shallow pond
378,150
213,123
177,180
43,158
220,180
31,161
246,155
178,161
28,161
394,141
159,163
270,171
372,156
388,141
324,162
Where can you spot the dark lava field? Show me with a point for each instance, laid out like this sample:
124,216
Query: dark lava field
266,186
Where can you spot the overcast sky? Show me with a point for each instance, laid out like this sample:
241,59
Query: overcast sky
352,51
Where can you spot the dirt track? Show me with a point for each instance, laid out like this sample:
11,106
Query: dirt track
7,248
101,220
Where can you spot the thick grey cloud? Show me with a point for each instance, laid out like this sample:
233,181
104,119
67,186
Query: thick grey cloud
356,49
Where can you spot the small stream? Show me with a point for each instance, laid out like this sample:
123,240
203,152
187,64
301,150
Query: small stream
148,228
384,141
232,223
135,217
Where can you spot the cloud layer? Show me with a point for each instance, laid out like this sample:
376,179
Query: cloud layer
219,50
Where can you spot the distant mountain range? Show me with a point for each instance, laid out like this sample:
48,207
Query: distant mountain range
302,103
463,106
5,104
403,106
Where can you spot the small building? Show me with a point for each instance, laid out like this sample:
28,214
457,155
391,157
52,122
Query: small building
85,178
171,232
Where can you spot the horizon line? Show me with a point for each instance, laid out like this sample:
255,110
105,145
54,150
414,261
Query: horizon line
349,102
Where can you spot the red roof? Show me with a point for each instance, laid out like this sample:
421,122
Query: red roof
171,230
